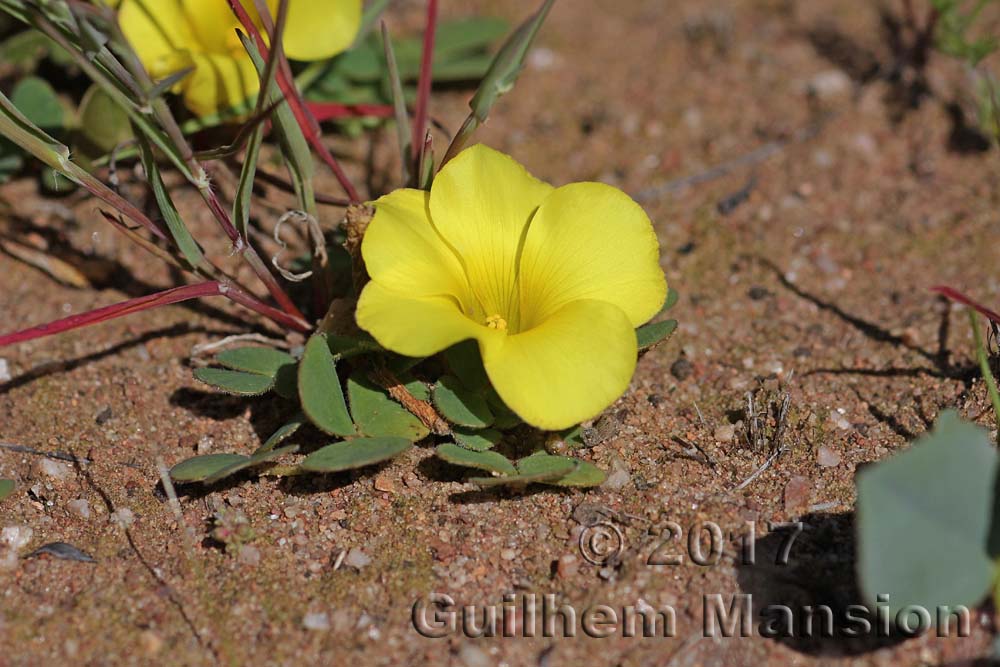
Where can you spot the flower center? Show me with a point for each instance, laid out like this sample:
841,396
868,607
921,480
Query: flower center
496,322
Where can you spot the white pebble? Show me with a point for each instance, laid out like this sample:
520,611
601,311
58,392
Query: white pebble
827,457
16,537
4,371
80,507
725,433
357,558
53,469
123,517
316,621
618,479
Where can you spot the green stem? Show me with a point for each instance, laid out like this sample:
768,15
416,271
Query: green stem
984,365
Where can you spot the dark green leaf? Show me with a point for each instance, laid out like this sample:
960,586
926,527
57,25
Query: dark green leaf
235,382
200,467
259,457
319,389
37,100
7,487
489,461
507,64
260,360
671,300
477,440
653,333
104,125
542,463
355,453
282,434
377,415
585,474
923,519
459,405
466,364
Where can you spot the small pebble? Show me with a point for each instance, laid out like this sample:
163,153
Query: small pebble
827,457
508,554
316,621
725,433
16,537
797,492
249,555
79,508
123,517
681,369
567,566
616,480
357,558
4,371
470,655
103,416
152,643
384,484
829,84
52,469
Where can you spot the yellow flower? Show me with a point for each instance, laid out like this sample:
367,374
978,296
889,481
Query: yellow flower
171,35
551,282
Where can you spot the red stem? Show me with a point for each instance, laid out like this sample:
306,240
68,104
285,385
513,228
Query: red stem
306,121
955,295
322,111
424,82
164,298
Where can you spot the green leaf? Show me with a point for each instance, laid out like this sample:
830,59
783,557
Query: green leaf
259,457
235,382
25,49
671,300
103,124
37,100
466,364
477,440
344,347
319,389
355,453
654,333
178,229
490,461
377,415
200,467
282,434
541,463
923,520
7,487
460,405
260,360
586,474
507,64
503,417
456,39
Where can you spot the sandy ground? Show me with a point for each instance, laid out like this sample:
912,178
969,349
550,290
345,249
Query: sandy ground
814,286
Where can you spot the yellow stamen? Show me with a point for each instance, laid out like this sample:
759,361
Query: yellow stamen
496,322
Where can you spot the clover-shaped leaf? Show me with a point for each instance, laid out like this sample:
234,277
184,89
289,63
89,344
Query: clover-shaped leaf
484,460
355,453
461,405
319,389
282,433
266,361
478,440
235,382
923,520
653,333
258,458
377,415
199,468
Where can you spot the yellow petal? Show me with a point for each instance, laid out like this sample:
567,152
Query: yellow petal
214,24
590,241
481,202
404,253
418,326
219,82
158,30
568,368
319,29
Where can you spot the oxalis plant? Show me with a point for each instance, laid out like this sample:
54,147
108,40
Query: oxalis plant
928,524
475,307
